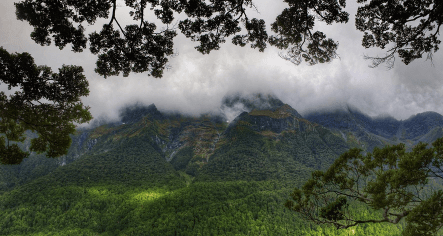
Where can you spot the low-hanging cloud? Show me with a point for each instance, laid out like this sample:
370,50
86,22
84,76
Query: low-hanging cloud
197,83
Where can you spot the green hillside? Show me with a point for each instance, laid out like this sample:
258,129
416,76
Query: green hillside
168,174
211,208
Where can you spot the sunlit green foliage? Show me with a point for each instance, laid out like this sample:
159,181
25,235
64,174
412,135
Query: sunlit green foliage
217,208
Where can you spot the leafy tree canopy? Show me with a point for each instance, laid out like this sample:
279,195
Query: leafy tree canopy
405,28
44,102
395,183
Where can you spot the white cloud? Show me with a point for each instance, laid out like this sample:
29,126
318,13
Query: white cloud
196,83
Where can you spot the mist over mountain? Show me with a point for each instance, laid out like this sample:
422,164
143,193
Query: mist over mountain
196,144
355,127
235,165
234,104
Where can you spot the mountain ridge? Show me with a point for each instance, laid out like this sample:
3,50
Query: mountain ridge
379,130
189,143
158,173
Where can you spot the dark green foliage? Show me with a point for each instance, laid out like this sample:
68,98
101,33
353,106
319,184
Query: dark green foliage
182,158
23,110
249,155
426,218
243,158
132,162
390,180
212,208
29,169
333,211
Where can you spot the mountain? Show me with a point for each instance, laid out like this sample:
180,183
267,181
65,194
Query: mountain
363,131
251,102
162,173
421,127
274,143
234,104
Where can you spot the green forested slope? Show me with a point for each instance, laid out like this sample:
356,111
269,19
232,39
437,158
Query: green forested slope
208,208
256,147
173,175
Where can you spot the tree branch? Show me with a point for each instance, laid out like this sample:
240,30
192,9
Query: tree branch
113,12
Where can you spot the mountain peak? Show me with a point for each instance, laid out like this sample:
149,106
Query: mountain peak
234,105
281,112
422,123
134,113
250,102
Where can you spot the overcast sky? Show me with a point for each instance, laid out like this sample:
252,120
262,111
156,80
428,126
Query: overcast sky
196,83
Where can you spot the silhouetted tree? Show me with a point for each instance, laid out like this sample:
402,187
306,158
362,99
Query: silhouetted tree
408,28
